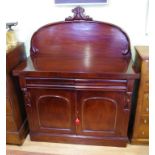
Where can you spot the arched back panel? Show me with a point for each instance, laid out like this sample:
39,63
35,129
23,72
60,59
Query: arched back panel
80,36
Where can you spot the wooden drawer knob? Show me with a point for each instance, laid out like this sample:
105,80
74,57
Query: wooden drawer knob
77,121
128,100
143,132
145,121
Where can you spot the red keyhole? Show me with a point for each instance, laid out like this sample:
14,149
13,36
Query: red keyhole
77,121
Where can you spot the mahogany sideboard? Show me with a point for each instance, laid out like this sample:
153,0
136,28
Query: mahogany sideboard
78,82
16,121
140,119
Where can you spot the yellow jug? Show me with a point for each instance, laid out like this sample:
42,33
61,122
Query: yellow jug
11,37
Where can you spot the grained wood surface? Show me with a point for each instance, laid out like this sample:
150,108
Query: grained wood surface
80,37
63,67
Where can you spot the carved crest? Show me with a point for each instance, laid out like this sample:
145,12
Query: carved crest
27,97
34,50
128,101
78,15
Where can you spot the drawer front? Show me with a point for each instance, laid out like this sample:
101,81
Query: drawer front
145,104
145,69
143,130
10,124
8,106
146,86
78,84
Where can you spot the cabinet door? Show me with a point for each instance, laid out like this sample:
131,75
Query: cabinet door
102,113
51,110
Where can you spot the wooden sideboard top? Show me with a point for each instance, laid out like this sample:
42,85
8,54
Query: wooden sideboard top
143,51
77,67
15,56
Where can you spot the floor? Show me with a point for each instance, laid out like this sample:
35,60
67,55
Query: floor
16,152
70,149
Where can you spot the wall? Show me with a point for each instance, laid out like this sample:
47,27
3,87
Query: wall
32,14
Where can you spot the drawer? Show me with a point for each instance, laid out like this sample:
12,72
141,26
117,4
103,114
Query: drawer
145,69
146,86
77,83
143,130
10,124
145,103
144,120
8,106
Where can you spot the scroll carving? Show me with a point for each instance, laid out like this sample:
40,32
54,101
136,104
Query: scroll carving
128,101
27,98
78,15
125,52
126,49
34,50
